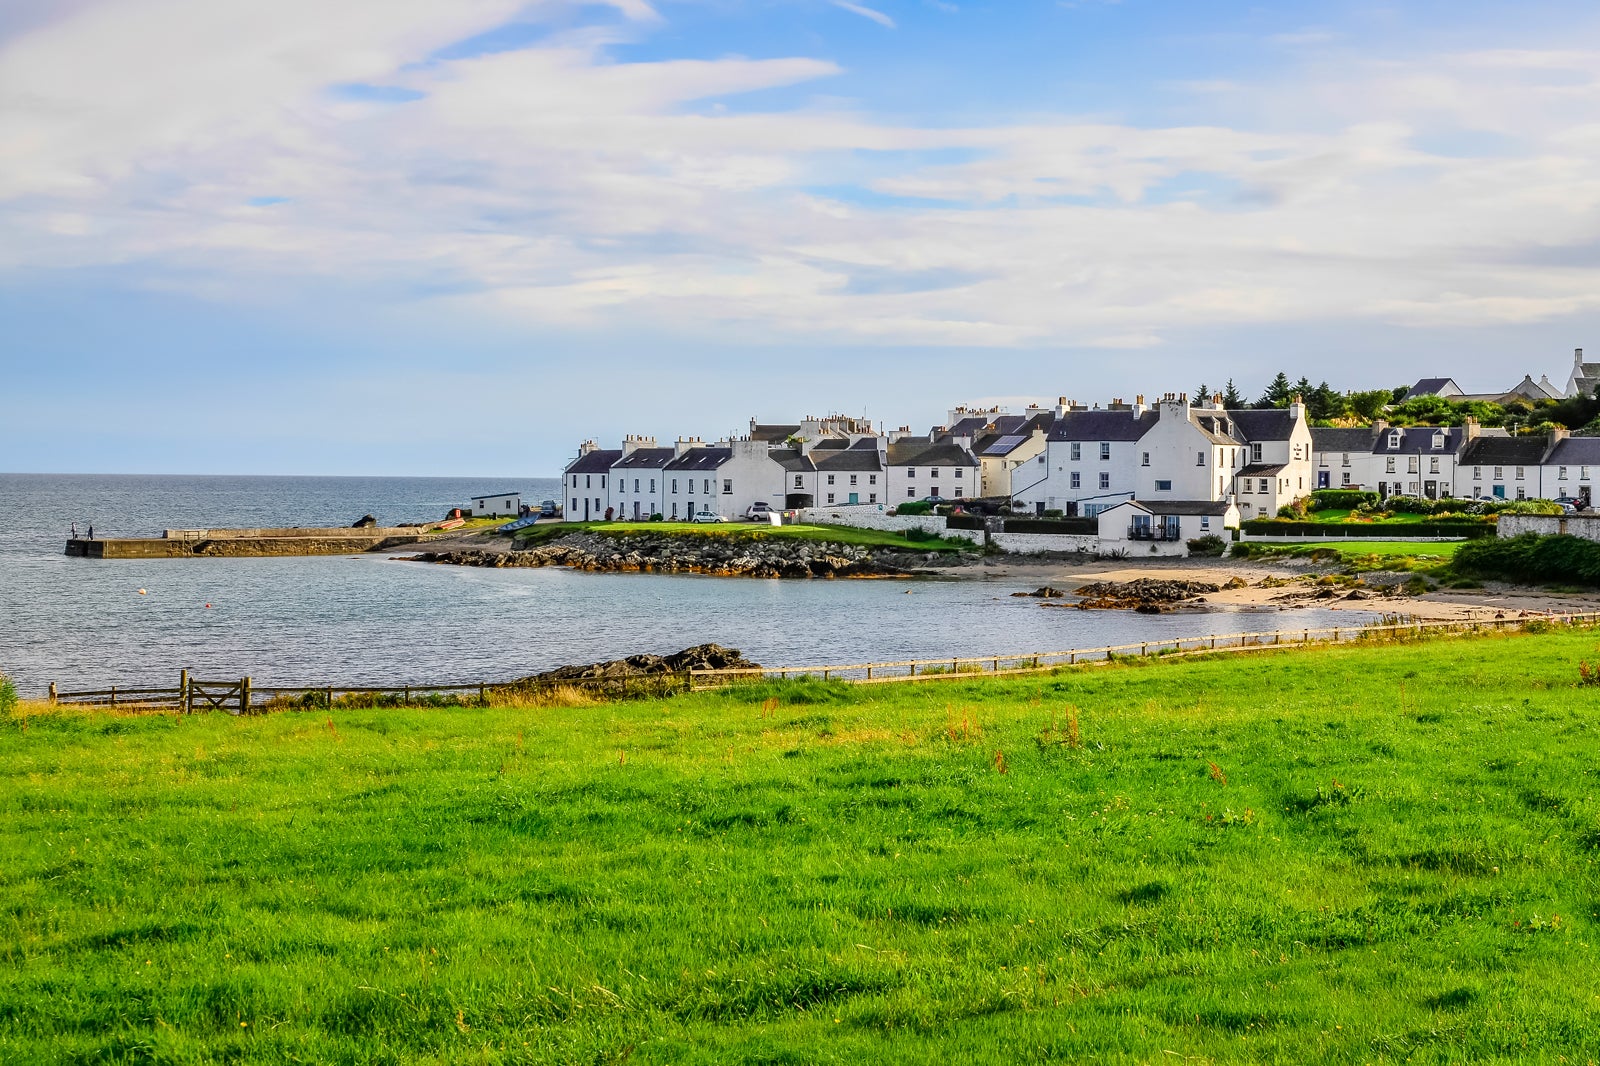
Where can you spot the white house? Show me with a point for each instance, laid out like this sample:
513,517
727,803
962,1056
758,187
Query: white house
916,468
497,504
1342,458
1010,443
1144,527
638,480
1278,467
1570,467
587,481
848,475
1090,461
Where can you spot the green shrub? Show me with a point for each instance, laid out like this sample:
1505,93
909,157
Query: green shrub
1208,545
8,695
1341,500
658,517
1532,558
919,535
914,507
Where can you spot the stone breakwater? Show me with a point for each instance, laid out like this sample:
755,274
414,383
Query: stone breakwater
714,554
1148,595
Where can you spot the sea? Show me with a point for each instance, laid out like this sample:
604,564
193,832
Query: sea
370,619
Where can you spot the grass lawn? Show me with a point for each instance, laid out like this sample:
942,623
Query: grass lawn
1443,549
754,530
1344,855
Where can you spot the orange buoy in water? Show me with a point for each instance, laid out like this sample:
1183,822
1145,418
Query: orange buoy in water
142,592
208,607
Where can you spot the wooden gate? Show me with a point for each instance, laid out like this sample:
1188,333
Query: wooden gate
230,696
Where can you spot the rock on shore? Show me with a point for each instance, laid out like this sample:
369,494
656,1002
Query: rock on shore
699,657
1145,595
719,555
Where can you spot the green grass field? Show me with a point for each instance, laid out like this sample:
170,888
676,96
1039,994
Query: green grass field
870,538
1346,855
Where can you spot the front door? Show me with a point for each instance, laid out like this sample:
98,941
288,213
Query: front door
1583,497
855,497
1499,492
1430,489
1322,479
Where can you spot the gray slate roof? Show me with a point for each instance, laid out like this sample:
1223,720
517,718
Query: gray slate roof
1183,507
599,461
1429,387
920,453
1261,470
701,459
1340,439
1576,451
1504,451
1270,424
1418,440
645,459
849,459
773,434
1102,425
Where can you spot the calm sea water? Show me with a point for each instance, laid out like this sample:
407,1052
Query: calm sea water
370,619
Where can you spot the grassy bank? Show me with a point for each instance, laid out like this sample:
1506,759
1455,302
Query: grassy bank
867,538
1352,854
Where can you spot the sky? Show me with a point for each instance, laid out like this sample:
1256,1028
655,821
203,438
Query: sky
424,237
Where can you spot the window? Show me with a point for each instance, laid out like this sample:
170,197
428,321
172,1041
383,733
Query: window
708,485
1388,465
674,484
588,481
1344,479
1563,474
1255,453
1394,439
574,484
958,471
1076,480
872,497
933,471
1499,472
911,471
830,497
1144,459
1105,450
1199,458
1077,451
830,479
958,492
1521,493
1519,473
1346,460
635,484
1412,465
602,481
574,502
872,479
1263,486
1477,473
911,492
1205,521
1245,485
1105,481
674,507
1433,465
1163,486
727,486
1438,441
1583,473
852,479
799,482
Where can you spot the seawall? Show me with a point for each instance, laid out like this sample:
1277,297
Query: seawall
239,543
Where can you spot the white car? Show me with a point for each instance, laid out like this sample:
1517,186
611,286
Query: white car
759,511
706,516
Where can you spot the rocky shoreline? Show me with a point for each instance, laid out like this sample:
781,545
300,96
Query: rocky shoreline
715,555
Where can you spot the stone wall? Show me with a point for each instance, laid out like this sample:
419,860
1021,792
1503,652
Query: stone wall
873,518
1038,543
1585,526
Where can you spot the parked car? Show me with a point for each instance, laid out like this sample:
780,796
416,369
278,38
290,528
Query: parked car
758,511
549,509
706,517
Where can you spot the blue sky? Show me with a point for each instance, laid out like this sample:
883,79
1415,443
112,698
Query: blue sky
398,236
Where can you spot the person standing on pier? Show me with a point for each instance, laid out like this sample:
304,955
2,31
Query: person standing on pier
74,531
91,532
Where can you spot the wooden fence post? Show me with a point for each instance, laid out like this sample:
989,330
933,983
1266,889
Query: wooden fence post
183,691
52,693
113,695
244,695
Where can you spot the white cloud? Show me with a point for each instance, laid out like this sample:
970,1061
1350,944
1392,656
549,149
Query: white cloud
557,185
865,12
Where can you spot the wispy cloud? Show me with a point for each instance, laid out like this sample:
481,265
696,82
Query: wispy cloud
555,184
865,12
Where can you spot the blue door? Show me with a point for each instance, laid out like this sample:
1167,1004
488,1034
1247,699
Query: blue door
855,497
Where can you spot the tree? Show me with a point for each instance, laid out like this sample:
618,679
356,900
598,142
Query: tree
1278,392
1369,404
1232,398
1204,395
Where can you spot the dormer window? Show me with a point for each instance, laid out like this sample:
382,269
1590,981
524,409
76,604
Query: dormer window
1438,440
1394,439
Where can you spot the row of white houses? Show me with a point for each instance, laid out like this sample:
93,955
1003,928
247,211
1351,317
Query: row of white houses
1072,460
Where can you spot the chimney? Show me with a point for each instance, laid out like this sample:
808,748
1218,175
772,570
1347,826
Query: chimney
682,445
1379,425
1297,407
586,447
1559,433
1577,357
1470,430
1216,400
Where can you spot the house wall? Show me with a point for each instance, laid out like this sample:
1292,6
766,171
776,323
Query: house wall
649,496
749,475
1294,481
496,506
587,496
953,482
1056,491
869,486
689,491
996,471
1184,459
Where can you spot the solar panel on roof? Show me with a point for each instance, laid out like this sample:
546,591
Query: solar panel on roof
1004,444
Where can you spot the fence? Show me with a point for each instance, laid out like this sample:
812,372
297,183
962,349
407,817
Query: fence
245,697
1028,662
